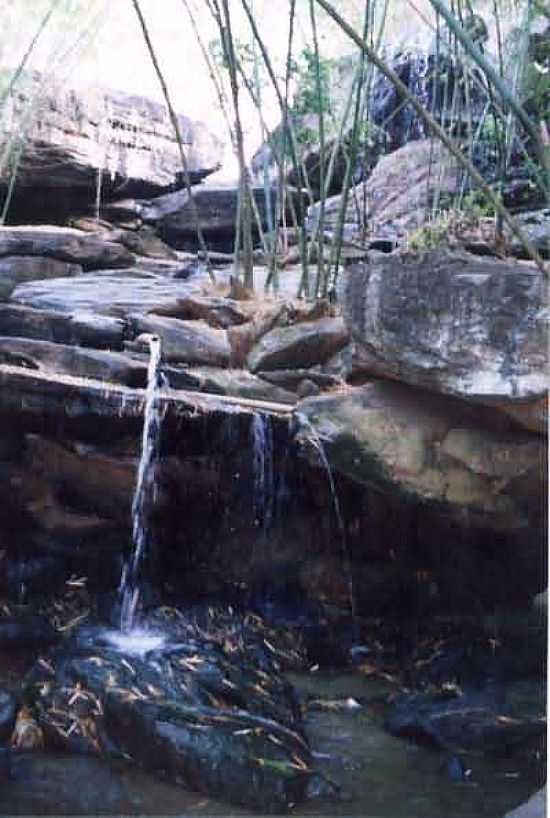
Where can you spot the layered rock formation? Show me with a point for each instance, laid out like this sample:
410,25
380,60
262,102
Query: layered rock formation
72,139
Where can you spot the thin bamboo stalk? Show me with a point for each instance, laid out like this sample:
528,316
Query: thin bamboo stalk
177,131
439,132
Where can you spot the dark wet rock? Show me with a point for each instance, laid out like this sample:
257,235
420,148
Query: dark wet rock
202,715
70,360
8,708
192,342
113,293
26,631
453,768
413,319
80,328
298,346
90,251
16,270
64,147
63,785
237,383
463,723
434,448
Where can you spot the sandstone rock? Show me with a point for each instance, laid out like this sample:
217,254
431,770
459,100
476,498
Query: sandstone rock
299,346
398,195
82,329
15,270
107,293
71,360
217,311
90,250
453,323
234,382
130,138
433,449
191,342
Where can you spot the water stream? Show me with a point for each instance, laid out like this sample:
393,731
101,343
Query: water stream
317,443
264,478
144,493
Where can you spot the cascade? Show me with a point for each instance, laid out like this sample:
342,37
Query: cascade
144,493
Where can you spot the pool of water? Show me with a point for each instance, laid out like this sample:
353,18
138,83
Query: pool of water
379,775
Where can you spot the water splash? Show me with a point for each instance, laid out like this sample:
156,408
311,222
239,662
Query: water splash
315,440
144,493
264,479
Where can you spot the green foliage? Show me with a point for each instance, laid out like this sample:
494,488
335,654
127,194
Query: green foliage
307,99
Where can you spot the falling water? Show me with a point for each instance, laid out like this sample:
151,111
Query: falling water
262,443
144,491
315,440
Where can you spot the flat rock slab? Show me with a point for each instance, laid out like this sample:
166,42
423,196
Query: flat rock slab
234,382
91,251
298,346
91,410
453,323
218,311
70,360
15,270
81,329
432,448
192,342
114,293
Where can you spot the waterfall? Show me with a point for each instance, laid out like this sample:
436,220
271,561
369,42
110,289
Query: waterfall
315,440
144,492
262,449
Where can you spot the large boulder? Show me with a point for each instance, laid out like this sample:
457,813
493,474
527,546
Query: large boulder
192,342
71,136
298,346
453,323
398,195
431,449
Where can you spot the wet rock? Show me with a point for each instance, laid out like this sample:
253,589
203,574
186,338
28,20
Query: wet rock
114,293
192,342
15,270
26,631
70,360
536,225
7,720
465,723
65,143
202,715
298,346
80,328
433,448
49,785
413,319
90,251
